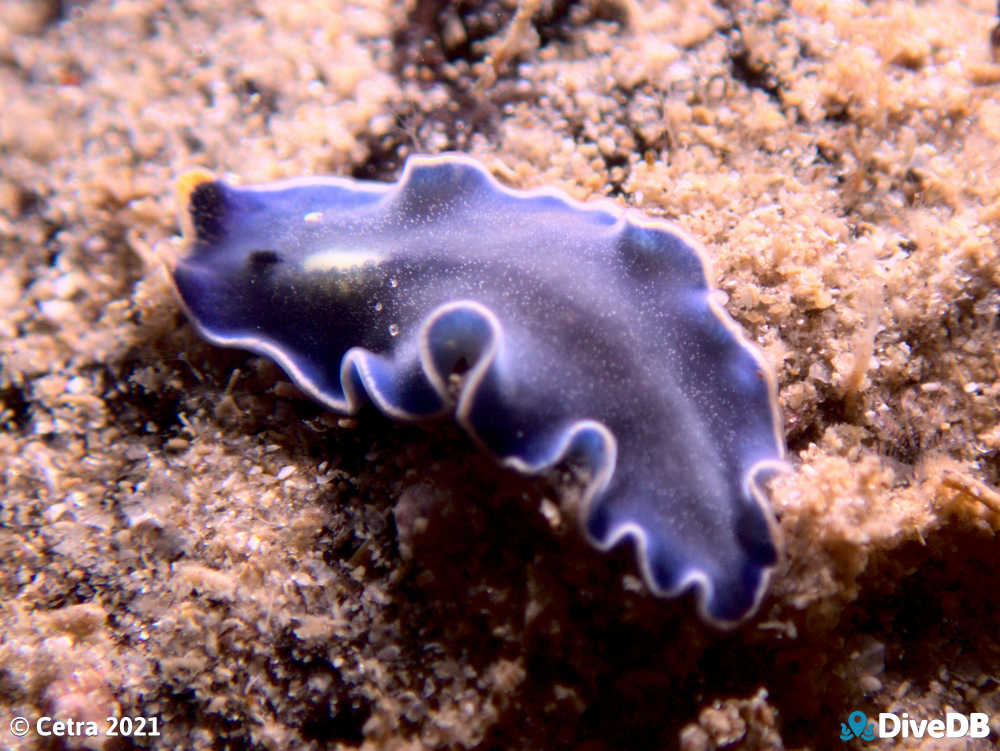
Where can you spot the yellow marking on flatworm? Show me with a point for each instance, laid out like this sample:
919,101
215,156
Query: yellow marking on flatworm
341,260
186,185
313,216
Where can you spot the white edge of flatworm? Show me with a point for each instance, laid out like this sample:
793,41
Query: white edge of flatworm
356,357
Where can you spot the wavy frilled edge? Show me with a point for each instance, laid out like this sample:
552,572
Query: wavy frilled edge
589,438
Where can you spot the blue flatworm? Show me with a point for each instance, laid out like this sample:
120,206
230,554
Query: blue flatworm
552,330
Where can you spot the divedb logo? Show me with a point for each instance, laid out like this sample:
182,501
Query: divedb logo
892,725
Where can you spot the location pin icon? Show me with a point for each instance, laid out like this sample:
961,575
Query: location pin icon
857,721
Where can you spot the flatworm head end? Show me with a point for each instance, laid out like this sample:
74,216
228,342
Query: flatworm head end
187,185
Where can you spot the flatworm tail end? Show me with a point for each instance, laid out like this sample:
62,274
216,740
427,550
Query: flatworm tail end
728,579
465,336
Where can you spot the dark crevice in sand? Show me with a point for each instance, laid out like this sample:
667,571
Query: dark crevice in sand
15,408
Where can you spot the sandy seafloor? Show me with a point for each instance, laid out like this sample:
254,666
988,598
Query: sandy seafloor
183,536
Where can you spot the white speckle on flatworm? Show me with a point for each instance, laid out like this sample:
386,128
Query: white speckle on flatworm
313,216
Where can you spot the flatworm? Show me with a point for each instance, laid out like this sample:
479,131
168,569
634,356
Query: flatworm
552,330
